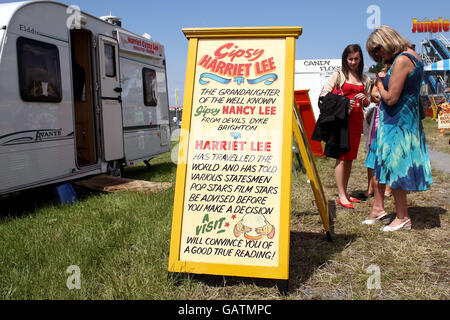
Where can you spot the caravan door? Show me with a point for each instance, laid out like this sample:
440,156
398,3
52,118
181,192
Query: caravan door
111,96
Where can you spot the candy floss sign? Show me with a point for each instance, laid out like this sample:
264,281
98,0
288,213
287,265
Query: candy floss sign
232,195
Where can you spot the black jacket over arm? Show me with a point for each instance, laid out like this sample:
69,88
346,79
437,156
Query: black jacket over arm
332,125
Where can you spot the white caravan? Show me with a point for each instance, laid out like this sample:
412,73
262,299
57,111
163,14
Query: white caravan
79,96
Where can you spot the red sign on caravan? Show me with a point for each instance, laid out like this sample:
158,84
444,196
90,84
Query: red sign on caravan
135,44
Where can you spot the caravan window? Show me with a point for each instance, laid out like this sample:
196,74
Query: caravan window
149,78
110,61
39,71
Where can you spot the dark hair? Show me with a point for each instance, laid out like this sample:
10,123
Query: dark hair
349,50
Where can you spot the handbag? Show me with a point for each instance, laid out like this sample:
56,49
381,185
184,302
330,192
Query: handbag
337,87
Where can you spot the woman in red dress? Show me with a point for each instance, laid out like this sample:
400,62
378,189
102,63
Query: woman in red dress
356,86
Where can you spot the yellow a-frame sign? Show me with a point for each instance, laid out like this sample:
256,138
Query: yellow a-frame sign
311,170
233,192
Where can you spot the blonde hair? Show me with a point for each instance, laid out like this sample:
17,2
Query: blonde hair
387,38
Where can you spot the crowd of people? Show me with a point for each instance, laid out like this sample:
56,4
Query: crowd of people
397,158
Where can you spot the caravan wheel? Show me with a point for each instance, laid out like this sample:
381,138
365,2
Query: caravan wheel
115,169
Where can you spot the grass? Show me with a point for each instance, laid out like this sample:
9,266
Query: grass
121,244
118,242
436,142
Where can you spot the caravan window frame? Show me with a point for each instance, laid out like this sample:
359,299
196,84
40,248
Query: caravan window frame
2,35
110,61
25,72
149,87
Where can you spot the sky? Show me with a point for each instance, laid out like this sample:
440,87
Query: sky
328,26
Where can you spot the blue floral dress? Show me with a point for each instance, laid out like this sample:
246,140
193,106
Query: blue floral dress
399,153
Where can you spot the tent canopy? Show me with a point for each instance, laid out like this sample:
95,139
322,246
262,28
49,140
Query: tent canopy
443,65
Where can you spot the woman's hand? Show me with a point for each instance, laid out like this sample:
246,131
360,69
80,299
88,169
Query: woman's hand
375,95
360,96
351,105
376,99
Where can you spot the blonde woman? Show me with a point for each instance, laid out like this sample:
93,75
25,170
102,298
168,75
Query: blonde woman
398,154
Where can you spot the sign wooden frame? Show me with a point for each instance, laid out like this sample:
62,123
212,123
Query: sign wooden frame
196,36
311,170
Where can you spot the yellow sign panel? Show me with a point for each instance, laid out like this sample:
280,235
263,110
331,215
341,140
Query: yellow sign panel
232,200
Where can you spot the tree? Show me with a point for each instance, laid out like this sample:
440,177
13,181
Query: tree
377,68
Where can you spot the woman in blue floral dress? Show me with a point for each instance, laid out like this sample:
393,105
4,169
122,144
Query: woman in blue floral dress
399,154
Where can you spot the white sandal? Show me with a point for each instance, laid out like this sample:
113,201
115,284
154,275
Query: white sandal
402,226
373,221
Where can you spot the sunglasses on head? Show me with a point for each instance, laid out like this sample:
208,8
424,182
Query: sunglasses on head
377,49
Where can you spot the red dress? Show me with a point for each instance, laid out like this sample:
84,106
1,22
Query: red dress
356,120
